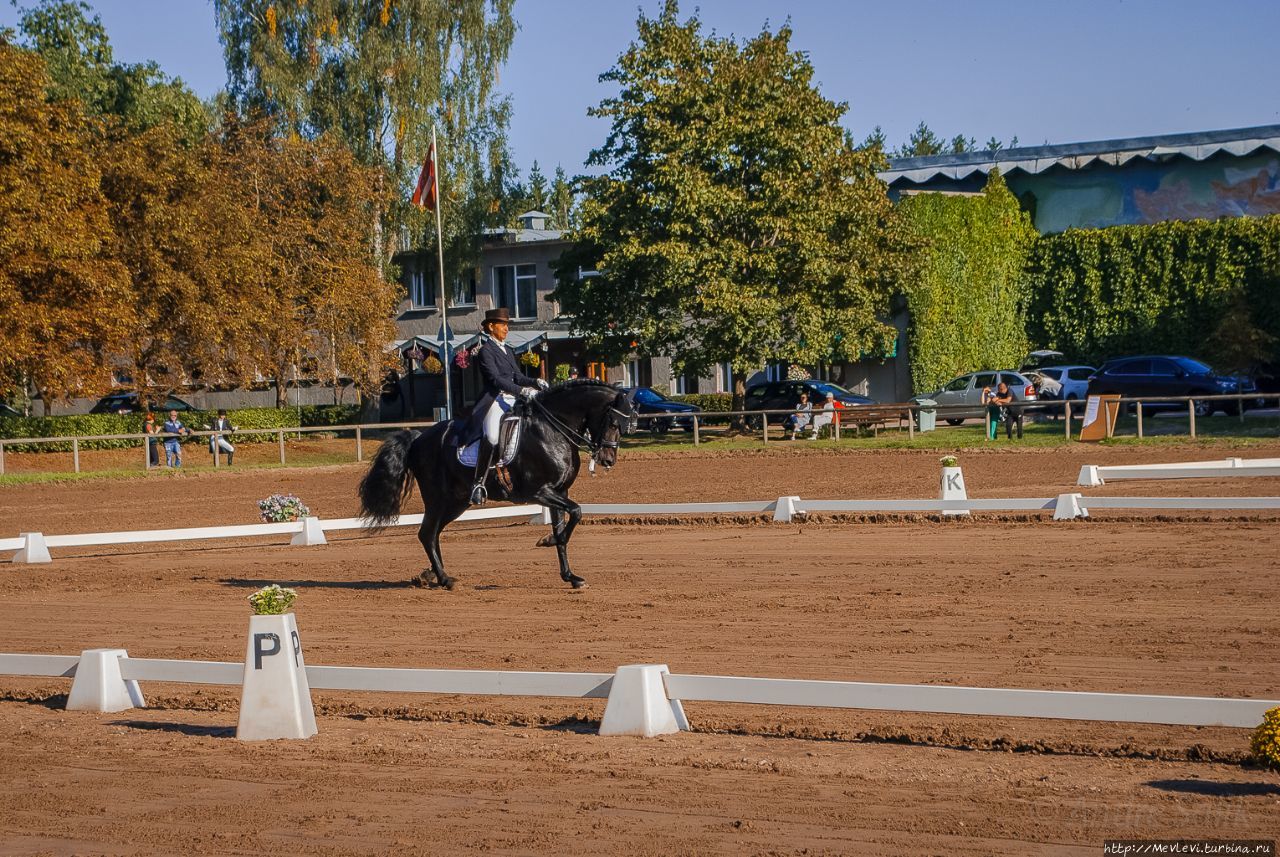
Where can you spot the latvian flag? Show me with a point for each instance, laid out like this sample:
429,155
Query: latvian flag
424,195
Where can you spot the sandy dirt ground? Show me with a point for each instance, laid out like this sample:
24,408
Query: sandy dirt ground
1156,605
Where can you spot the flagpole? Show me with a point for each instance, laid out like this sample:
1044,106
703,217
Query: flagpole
444,302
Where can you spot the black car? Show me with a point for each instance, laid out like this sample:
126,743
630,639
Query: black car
128,403
1165,375
649,401
779,395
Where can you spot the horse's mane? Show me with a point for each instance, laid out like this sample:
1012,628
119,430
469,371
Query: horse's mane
582,382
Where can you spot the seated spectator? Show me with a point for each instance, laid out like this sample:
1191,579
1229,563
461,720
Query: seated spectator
826,417
799,421
219,441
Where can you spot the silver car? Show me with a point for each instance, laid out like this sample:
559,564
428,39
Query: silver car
961,398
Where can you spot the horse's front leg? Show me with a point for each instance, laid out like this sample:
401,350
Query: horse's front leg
561,530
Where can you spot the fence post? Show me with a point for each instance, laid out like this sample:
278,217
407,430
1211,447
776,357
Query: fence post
1138,408
1239,407
75,453
835,423
359,446
695,434
764,427
217,457
281,437
1191,412
911,424
1,458
986,425
1066,417
1107,416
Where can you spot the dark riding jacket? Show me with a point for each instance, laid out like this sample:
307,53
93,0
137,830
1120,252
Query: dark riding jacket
501,374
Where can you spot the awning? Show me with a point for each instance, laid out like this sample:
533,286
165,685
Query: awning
524,340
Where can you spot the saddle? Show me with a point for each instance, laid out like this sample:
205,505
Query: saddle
509,432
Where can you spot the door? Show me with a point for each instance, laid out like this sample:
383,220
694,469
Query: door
973,395
953,392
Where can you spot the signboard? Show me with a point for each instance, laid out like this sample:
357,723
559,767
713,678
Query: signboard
1100,417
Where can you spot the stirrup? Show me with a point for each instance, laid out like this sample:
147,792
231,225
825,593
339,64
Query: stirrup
478,495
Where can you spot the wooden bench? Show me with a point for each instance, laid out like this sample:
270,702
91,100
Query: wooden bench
875,417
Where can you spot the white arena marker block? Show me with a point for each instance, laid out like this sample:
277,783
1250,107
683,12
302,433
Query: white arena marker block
99,686
33,550
275,698
638,704
1089,476
543,517
1068,507
953,489
310,534
786,509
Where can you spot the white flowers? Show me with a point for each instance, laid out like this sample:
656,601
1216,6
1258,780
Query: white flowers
272,600
949,461
279,508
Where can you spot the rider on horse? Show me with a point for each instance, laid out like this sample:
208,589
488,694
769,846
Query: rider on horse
503,381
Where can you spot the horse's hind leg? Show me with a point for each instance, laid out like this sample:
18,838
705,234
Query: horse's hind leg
429,536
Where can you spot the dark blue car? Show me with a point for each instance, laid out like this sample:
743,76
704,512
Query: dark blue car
659,414
1166,375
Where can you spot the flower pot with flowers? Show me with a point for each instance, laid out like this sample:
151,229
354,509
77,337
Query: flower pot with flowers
530,360
279,508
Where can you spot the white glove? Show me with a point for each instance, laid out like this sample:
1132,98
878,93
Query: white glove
542,385
528,392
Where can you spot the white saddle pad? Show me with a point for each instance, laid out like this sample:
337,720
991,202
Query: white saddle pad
509,431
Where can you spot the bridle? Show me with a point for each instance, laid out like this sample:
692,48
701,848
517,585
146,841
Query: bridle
584,442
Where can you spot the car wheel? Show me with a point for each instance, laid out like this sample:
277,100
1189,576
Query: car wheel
753,423
1203,408
952,421
660,427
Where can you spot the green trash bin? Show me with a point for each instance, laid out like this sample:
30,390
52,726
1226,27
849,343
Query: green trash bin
927,415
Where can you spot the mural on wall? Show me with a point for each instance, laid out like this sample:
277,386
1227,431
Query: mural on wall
1145,192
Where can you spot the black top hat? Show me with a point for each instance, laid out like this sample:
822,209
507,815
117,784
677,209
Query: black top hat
499,314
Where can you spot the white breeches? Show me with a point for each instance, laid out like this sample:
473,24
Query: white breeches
493,419
223,444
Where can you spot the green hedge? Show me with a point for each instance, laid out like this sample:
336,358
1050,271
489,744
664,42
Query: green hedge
966,298
95,424
1208,289
715,402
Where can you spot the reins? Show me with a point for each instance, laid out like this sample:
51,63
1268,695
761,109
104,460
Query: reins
577,438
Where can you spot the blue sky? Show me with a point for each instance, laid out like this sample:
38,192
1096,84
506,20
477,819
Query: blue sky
1045,71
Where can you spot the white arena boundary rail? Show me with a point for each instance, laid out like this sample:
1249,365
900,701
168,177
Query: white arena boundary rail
34,547
1092,475
648,694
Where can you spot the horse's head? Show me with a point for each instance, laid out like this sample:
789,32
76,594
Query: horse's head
599,411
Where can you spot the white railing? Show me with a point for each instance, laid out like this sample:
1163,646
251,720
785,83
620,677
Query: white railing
1092,475
33,547
938,699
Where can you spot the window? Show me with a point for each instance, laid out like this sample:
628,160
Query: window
682,385
1054,374
645,396
758,392
464,289
639,373
1164,368
724,378
775,372
958,385
420,296
1013,380
1080,373
984,379
1133,367
516,288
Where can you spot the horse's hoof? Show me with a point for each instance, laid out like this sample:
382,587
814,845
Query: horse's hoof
578,582
419,581
548,541
448,583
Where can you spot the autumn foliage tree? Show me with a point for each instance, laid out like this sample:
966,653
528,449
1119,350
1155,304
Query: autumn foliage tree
63,300
736,222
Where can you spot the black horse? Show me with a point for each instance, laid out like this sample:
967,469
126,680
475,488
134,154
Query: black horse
575,415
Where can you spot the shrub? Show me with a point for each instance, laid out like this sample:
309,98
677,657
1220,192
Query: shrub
1266,740
713,402
280,508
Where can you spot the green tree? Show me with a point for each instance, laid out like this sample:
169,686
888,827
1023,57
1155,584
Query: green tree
377,76
537,193
562,201
735,222
81,66
921,142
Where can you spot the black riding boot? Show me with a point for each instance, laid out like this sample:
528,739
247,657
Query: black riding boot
231,458
484,457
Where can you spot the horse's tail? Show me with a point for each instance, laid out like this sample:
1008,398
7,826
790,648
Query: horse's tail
387,485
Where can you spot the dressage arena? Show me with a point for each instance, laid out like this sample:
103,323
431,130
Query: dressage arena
1170,603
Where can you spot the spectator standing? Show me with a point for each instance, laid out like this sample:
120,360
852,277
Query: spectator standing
151,427
219,441
174,428
1000,409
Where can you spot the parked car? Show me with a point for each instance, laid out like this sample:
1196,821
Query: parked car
128,403
778,395
1072,381
1167,375
649,401
6,411
961,398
